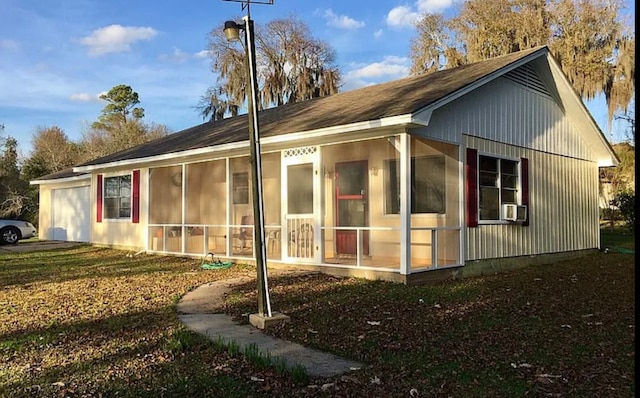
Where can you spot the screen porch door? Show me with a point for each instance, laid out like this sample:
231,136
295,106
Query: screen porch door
300,205
352,210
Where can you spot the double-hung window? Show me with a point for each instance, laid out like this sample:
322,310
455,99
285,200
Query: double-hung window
117,197
427,185
498,184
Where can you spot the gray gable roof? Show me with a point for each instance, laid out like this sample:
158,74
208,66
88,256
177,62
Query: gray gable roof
395,98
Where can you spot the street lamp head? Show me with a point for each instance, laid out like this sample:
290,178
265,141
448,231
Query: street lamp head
232,31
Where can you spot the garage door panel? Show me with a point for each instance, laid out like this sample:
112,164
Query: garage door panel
71,214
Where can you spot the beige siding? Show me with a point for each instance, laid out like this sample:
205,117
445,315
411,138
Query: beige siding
44,212
504,111
387,242
563,207
121,233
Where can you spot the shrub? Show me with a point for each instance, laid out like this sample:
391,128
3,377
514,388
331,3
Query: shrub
625,201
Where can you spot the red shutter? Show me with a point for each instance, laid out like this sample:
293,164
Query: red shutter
471,186
524,169
135,197
99,198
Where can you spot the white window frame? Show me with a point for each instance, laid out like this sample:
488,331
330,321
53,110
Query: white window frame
518,163
105,177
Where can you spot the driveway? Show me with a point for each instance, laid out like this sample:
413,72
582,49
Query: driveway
27,246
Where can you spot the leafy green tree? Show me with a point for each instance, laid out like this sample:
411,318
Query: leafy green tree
14,199
9,171
594,46
617,180
119,126
52,152
32,168
292,66
625,201
96,143
122,101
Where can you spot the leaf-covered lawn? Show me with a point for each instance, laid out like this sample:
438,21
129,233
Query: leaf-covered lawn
99,322
564,330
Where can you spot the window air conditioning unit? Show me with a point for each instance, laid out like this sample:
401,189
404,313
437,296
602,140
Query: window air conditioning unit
512,212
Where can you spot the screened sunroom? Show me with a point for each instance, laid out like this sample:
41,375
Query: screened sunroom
339,205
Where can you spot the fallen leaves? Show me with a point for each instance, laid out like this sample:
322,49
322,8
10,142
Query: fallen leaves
93,322
472,336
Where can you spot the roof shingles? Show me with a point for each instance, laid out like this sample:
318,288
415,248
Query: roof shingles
395,98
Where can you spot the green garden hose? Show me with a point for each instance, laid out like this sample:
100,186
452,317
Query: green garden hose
215,263
619,250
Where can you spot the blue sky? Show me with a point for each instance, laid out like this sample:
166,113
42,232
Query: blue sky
57,56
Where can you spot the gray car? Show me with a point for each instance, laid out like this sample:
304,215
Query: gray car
11,231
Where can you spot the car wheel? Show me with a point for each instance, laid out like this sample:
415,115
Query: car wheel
10,235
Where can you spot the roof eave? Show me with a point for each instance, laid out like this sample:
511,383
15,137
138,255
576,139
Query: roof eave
162,157
394,121
60,180
584,118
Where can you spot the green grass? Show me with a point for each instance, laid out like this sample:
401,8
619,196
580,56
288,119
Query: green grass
617,239
93,322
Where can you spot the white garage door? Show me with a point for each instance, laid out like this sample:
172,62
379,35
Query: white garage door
71,214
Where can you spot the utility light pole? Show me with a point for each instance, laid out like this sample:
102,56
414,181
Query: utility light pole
265,316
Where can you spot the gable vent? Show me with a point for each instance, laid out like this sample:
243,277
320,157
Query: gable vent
527,76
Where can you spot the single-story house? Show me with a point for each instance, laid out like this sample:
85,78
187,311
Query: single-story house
460,172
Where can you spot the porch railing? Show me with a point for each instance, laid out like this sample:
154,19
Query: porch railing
420,260
430,248
232,241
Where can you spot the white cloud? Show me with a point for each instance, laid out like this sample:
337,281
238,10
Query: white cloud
203,54
84,97
8,44
116,38
405,16
388,67
176,56
341,21
391,68
378,33
402,17
433,6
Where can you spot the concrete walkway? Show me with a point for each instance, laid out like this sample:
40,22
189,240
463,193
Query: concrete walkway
31,246
201,311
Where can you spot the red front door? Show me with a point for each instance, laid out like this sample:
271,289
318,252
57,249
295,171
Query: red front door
351,206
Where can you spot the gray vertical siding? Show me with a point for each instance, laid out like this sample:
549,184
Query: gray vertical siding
507,112
563,207
506,119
